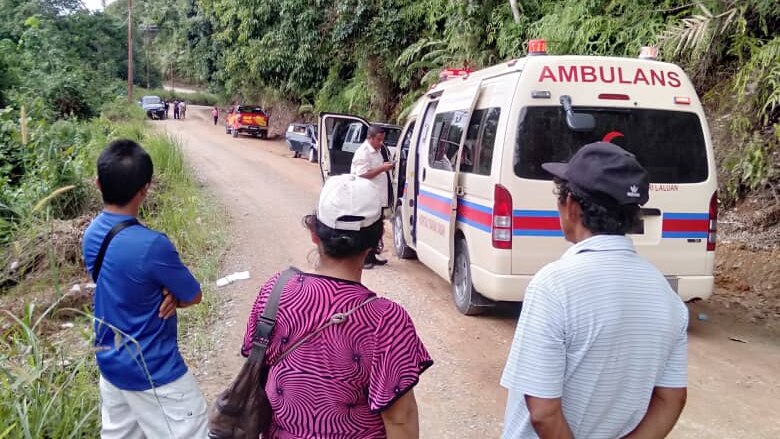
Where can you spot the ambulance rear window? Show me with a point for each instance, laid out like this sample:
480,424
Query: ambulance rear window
669,144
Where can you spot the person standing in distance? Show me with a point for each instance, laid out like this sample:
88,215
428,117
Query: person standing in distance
145,387
600,349
368,163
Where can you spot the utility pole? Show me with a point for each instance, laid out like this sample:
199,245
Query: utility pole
130,50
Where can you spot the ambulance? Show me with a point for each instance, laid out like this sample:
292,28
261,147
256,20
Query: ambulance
474,204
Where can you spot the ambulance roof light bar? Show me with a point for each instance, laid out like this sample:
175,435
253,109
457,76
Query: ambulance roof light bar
537,47
649,53
448,73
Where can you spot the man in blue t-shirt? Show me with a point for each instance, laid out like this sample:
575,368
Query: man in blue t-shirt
145,388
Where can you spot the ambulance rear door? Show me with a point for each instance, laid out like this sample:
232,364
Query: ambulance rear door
648,108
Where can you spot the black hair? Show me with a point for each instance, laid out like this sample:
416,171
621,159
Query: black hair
374,130
123,169
343,244
600,216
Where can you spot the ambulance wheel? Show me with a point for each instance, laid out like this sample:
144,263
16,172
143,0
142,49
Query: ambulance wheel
402,250
467,299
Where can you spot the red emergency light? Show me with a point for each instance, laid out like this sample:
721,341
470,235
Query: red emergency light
449,73
537,47
648,52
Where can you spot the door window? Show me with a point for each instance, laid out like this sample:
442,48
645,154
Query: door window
445,140
480,141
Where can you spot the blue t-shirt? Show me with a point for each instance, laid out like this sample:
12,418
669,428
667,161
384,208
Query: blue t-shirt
138,264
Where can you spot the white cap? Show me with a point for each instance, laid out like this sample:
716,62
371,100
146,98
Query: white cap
349,202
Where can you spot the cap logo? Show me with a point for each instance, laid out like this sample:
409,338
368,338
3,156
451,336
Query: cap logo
633,191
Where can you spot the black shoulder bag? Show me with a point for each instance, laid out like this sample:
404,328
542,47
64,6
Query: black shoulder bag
243,410
107,240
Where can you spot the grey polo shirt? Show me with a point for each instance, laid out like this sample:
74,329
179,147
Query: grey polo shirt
600,328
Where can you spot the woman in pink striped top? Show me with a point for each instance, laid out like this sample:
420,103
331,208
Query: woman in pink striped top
354,379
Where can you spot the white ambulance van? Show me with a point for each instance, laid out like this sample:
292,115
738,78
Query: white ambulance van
473,203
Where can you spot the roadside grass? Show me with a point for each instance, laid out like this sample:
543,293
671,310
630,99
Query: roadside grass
48,375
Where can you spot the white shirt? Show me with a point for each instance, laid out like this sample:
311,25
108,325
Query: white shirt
599,328
365,159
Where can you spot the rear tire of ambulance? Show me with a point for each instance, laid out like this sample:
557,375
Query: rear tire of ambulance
467,299
402,250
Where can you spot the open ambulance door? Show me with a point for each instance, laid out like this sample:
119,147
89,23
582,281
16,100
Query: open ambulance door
333,128
457,188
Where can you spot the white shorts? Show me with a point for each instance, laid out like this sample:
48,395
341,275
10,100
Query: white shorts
175,410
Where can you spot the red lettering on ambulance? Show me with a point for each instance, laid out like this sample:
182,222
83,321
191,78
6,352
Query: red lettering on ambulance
674,79
604,76
607,75
588,74
657,77
570,76
640,76
620,77
547,73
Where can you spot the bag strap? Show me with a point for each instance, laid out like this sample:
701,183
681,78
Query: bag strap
107,240
335,319
267,321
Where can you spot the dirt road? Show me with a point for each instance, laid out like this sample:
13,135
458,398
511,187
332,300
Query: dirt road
734,389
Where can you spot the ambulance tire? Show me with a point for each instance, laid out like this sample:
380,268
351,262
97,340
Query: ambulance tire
400,248
466,298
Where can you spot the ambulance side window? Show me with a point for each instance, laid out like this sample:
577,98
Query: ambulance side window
445,139
487,141
480,141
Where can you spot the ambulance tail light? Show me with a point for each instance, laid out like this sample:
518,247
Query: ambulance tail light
501,229
615,96
537,47
712,229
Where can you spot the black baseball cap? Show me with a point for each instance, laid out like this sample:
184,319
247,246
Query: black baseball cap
604,169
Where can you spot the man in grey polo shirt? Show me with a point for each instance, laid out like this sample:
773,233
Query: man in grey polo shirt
600,349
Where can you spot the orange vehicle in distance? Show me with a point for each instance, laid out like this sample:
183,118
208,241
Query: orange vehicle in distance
247,119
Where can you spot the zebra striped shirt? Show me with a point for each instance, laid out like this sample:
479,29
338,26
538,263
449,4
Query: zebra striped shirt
600,328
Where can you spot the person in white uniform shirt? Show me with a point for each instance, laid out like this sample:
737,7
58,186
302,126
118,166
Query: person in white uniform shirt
368,163
600,349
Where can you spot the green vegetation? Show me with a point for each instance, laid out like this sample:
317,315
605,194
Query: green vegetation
62,79
376,58
48,380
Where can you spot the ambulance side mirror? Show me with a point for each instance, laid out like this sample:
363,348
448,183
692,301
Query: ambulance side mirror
580,122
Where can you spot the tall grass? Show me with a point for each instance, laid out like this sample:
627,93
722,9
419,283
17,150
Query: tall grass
48,377
46,390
